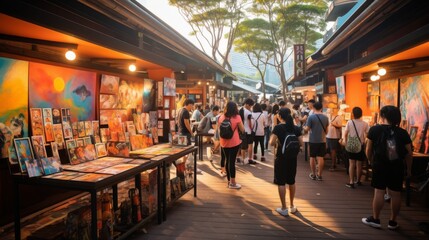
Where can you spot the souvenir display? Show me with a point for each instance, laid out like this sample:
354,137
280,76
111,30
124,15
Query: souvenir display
34,168
75,130
71,143
36,121
23,152
54,147
81,129
51,165
58,133
88,128
119,149
101,150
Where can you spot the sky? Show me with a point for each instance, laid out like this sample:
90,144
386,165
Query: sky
171,16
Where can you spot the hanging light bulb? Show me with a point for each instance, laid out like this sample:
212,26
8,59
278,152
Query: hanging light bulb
381,71
132,67
70,55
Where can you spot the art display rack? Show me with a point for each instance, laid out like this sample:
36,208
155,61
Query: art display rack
110,182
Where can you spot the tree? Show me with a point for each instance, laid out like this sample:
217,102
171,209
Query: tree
253,38
213,22
289,24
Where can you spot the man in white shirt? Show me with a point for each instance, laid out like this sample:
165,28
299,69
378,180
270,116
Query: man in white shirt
247,140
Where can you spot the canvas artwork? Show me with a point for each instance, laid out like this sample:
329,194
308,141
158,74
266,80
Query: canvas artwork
51,165
54,147
373,103
56,115
166,103
71,143
66,121
47,122
66,87
389,93
414,102
80,142
130,94
81,129
169,87
39,147
23,151
34,168
108,101
167,114
149,95
182,140
104,134
88,128
374,89
101,150
121,137
36,121
160,95
14,115
105,115
136,142
95,128
58,134
330,101
341,89
118,149
109,84
87,141
152,119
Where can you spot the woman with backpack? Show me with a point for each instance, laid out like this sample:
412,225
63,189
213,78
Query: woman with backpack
258,130
389,152
287,137
354,136
229,126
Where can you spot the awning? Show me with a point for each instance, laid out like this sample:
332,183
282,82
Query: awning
245,87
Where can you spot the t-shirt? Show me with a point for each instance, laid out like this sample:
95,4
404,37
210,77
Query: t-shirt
317,133
402,138
183,114
261,119
206,123
196,115
361,126
334,132
280,132
235,140
246,120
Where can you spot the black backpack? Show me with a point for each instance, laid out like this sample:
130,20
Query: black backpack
387,146
290,146
225,129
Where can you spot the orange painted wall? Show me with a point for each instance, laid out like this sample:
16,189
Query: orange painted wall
356,94
159,74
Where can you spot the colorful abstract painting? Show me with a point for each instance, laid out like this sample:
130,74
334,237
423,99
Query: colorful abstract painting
58,87
130,94
109,84
389,93
414,102
14,114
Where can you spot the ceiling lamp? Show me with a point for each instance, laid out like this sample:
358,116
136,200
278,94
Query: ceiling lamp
373,77
381,71
70,55
132,67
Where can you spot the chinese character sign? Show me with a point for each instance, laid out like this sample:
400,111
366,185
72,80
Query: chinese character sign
299,60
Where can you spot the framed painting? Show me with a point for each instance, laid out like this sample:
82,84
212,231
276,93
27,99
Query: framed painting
71,143
51,165
58,134
36,121
169,87
88,128
66,86
109,84
96,128
101,150
166,103
389,93
108,101
105,115
39,147
373,103
13,116
54,147
130,94
34,168
80,142
47,122
81,129
23,151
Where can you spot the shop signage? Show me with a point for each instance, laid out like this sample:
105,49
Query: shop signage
299,60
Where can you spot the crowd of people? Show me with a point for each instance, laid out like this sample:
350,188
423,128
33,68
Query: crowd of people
241,131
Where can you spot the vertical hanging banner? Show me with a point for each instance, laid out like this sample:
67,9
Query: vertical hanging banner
299,60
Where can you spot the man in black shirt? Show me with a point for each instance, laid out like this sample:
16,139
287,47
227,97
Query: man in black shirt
183,120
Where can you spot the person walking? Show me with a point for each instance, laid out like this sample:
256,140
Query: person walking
356,130
259,130
247,139
316,125
231,146
285,162
333,137
266,110
389,152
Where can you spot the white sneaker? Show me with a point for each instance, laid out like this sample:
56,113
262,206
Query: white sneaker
245,161
282,212
293,209
234,186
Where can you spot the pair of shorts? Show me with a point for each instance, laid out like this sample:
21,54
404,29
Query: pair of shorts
388,175
360,156
284,171
333,144
248,139
317,149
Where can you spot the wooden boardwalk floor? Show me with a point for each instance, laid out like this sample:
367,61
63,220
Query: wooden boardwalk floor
326,209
